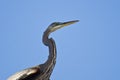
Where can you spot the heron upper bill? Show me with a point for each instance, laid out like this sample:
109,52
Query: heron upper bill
69,22
61,25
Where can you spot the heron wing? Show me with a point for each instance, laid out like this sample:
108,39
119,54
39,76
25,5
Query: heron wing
23,75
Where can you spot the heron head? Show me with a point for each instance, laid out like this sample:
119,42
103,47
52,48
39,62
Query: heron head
57,25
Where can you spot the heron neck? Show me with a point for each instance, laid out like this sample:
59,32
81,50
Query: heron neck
50,63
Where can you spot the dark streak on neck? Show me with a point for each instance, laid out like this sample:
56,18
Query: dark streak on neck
50,63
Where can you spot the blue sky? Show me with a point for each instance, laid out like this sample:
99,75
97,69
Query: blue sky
88,50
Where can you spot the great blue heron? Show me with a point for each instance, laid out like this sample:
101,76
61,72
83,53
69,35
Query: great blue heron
43,71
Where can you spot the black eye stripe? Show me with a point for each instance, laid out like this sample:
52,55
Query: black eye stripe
55,23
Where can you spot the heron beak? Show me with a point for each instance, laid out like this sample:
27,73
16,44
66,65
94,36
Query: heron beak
63,24
69,22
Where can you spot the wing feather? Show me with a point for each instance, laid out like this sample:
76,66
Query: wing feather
24,73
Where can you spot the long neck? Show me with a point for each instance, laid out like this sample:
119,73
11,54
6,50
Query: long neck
50,63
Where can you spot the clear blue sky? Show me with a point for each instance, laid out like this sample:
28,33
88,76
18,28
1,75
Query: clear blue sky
88,50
